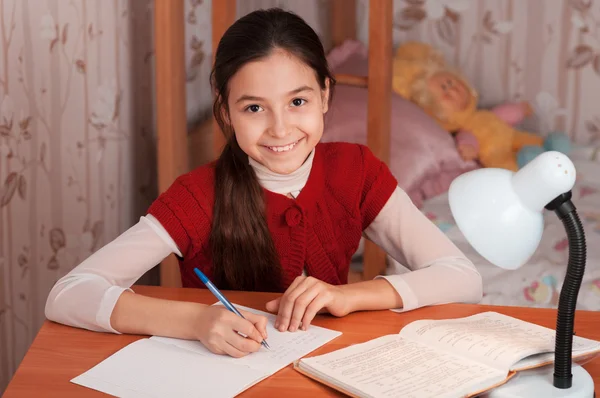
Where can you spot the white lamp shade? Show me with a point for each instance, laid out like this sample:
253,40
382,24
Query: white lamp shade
500,213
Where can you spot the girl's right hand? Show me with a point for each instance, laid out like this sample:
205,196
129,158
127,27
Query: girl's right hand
218,330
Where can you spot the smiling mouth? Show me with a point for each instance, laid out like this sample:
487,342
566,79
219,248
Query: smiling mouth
284,148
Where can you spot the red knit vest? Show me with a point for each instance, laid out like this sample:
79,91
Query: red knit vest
319,230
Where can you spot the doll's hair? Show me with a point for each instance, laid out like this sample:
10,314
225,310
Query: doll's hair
243,252
422,96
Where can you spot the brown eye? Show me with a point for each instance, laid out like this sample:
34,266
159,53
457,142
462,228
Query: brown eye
298,101
253,108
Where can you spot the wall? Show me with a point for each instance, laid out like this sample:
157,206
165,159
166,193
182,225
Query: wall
546,52
76,145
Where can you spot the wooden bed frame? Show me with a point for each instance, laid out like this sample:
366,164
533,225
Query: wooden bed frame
174,136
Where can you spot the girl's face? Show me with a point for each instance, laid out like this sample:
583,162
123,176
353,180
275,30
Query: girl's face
276,108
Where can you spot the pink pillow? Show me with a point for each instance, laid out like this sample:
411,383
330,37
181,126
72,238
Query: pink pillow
423,157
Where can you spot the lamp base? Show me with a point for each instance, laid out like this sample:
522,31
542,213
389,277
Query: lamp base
539,383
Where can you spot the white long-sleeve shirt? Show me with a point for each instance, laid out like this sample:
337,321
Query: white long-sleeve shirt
439,271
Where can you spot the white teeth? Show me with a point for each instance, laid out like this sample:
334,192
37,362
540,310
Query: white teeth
282,148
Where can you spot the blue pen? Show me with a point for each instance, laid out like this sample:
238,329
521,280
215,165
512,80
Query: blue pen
221,298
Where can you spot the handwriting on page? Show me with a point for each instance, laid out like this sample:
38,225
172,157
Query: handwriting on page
493,338
286,347
395,367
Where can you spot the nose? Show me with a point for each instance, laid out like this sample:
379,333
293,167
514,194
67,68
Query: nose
279,126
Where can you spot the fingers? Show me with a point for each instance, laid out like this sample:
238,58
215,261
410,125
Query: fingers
313,308
223,347
246,327
301,304
261,326
273,305
294,303
224,332
283,298
286,305
233,351
242,344
259,322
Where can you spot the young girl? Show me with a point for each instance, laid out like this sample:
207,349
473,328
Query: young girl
278,211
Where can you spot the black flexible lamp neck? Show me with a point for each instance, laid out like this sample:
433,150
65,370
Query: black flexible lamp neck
566,212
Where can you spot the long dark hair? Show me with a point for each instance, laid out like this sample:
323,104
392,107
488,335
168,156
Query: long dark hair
243,253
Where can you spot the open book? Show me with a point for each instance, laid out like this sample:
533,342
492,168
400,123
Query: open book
167,367
440,358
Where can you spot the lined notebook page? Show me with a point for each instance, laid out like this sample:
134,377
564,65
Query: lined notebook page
158,366
392,366
492,338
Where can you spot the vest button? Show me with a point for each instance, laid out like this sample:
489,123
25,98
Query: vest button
293,217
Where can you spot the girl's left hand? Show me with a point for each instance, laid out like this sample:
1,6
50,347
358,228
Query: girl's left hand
306,297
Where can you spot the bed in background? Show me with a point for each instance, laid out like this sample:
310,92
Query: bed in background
424,159
538,283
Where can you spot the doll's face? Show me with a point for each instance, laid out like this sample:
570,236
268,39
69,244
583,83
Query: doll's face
450,92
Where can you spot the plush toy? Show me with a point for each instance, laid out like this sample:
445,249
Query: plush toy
421,76
555,141
513,114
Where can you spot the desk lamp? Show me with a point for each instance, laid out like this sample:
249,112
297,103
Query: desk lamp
500,213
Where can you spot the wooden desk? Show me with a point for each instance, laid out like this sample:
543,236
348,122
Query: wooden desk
59,353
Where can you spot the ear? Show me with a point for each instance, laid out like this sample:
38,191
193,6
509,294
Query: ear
225,114
224,111
325,96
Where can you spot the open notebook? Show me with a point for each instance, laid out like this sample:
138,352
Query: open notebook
440,358
166,367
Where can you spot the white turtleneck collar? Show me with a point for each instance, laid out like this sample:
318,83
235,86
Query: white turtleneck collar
283,183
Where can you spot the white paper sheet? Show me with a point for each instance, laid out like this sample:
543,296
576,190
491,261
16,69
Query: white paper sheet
159,367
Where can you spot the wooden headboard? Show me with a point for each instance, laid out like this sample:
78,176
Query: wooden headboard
171,118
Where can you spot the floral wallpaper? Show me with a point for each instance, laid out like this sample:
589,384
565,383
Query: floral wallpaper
77,147
545,52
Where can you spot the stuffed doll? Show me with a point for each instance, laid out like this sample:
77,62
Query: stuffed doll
513,114
421,76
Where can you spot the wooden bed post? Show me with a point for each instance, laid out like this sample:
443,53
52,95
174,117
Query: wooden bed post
343,21
223,16
379,106
171,118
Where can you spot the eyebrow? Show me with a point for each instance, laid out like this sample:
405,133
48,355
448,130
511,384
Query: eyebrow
254,98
